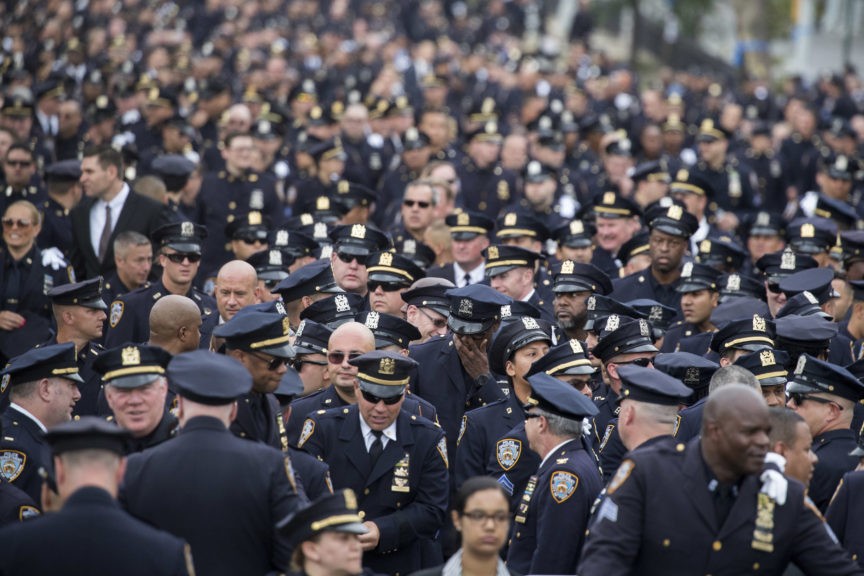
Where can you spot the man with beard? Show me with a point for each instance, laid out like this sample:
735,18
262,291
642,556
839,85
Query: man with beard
572,284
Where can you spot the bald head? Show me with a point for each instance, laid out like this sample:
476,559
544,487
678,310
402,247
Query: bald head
359,334
236,288
352,338
735,428
175,324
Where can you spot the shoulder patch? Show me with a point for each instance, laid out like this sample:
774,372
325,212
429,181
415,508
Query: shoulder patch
12,464
306,433
461,430
562,485
677,425
25,512
508,451
442,450
116,313
606,436
621,475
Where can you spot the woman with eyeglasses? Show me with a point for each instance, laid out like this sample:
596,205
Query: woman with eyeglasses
481,515
25,309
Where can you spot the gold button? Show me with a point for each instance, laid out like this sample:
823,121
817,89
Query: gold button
717,546
680,447
482,205
366,492
518,534
232,205
755,566
666,542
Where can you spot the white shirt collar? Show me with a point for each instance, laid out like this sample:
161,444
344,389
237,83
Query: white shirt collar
29,415
478,274
389,433
554,450
116,203
529,295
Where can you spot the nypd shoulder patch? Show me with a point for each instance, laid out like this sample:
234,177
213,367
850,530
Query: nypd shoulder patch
116,313
562,485
461,430
25,512
621,475
442,450
606,436
12,464
508,451
306,433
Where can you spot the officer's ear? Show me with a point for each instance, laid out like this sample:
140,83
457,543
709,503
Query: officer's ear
510,368
457,521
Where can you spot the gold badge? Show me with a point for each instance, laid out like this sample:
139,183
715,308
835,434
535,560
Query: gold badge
682,176
401,475
705,246
675,212
758,323
322,203
510,219
562,485
608,198
463,219
493,253
567,267
576,347
343,187
808,230
286,325
386,259
350,499
577,227
130,356
387,366
306,219
503,190
767,358
763,534
255,218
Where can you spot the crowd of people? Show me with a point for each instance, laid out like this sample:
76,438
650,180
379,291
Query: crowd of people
396,287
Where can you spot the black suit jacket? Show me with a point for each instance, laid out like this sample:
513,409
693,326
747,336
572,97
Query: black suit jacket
139,213
112,542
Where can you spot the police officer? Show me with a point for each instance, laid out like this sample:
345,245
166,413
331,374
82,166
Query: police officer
133,258
486,186
394,461
61,180
89,456
388,276
305,286
352,245
825,395
43,389
510,270
310,359
699,297
841,515
180,486
776,266
470,234
79,312
180,256
335,310
769,368
550,521
428,307
136,392
572,284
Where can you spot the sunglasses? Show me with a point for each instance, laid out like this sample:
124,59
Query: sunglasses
179,257
250,240
385,286
799,398
19,163
298,364
643,362
420,203
273,363
773,287
373,399
12,222
339,357
347,258
437,322
530,415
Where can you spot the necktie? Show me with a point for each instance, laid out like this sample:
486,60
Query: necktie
377,446
13,287
467,279
723,501
106,234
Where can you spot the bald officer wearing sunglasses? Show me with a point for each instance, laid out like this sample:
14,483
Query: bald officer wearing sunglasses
179,256
395,462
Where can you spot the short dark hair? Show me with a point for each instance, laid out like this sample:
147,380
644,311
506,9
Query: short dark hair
474,485
107,156
232,135
783,424
20,146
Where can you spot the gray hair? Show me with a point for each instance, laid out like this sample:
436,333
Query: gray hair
561,425
733,375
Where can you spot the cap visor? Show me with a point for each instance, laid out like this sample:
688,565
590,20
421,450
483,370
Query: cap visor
493,271
185,247
636,349
671,230
578,370
773,381
384,342
283,351
691,287
578,243
380,390
74,377
465,328
133,381
570,287
463,236
96,304
350,528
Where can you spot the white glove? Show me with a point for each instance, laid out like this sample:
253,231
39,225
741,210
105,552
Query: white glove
53,258
774,485
586,427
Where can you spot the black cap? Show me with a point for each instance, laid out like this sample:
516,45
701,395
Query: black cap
323,207
621,146
271,265
358,239
430,293
212,87
652,171
812,235
515,333
516,225
783,263
709,131
467,225
576,234
521,308
311,337
614,205
54,361
764,223
132,365
599,306
651,386
736,285
102,109
566,358
335,310
87,294
554,396
290,385
350,194
389,330
208,378
812,375
675,221
538,172
88,433
695,277
841,213
722,252
299,244
414,139
384,374
638,244
692,370
768,365
174,170
419,253
503,258
839,166
335,512
184,237
802,304
752,334
487,133
733,309
63,171
250,226
319,116
258,332
804,332
658,315
17,105
623,335
572,276
160,96
390,267
474,308
689,182
328,150
817,281
313,278
852,242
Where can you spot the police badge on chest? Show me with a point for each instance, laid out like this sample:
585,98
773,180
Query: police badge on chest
400,476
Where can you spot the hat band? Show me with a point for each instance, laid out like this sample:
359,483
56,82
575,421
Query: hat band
658,176
516,232
130,371
566,365
336,152
610,210
270,342
771,375
475,229
683,186
389,269
60,371
748,339
334,521
375,380
639,250
499,263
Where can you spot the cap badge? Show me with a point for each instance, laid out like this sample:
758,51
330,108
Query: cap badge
286,325
758,323
567,267
767,358
275,258
576,347
306,219
319,231
705,246
691,376
153,94
687,271
675,212
130,356
387,366
682,176
577,227
372,320
802,361
256,199
343,187
644,328
282,238
510,219
187,229
102,102
409,246
300,330
493,253
656,314
534,169
341,302
412,135
255,218
322,203
763,219
466,308
808,230
810,297
358,231
787,260
733,283
608,198
463,219
530,323
4,382
505,311
386,259
612,323
591,303
842,164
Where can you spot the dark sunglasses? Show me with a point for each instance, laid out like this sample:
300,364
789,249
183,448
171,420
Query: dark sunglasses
773,287
798,398
643,362
12,222
249,240
386,286
273,363
298,364
437,322
420,203
178,257
339,357
347,258
530,415
373,399
19,163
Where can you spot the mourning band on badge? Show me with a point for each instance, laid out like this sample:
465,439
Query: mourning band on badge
401,475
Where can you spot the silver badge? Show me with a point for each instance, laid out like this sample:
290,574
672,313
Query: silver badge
733,283
810,298
505,311
612,323
256,200
342,303
282,238
802,361
644,328
319,231
466,308
530,323
372,320
300,329
275,258
187,229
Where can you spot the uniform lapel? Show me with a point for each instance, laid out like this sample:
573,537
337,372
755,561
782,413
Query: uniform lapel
394,451
696,486
742,510
355,451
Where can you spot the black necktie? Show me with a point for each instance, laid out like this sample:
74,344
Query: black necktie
106,234
377,446
467,279
724,498
13,287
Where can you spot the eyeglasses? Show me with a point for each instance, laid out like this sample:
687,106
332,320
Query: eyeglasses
773,287
298,364
799,398
19,163
373,399
273,363
12,222
643,362
252,240
530,415
179,257
482,517
386,286
339,357
439,323
347,258
411,203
